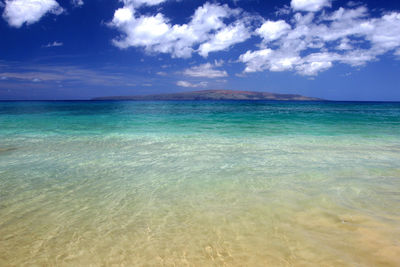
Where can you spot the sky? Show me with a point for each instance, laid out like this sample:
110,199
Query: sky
80,49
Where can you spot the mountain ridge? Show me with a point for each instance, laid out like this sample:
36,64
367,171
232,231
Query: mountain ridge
214,95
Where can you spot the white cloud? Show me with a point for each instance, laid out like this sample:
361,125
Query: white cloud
271,60
307,42
313,68
206,70
257,60
147,31
314,43
155,33
54,44
353,3
240,75
219,63
123,15
189,84
356,57
226,37
138,3
343,14
385,35
272,30
285,10
344,44
309,5
315,63
18,12
77,3
268,59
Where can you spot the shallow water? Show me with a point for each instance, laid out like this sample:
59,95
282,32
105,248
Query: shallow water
199,184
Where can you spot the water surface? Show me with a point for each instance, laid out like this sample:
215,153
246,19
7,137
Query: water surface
199,183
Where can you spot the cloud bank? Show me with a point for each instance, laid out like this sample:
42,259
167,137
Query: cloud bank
206,32
313,43
307,37
310,39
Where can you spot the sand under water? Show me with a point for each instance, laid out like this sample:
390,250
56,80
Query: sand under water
199,184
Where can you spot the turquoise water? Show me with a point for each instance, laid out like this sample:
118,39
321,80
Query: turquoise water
199,184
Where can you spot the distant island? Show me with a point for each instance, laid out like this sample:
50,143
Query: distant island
214,95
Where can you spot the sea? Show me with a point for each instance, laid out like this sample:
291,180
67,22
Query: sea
199,183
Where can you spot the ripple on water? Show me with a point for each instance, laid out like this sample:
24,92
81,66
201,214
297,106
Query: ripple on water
198,198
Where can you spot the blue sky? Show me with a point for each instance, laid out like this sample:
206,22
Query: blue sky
78,49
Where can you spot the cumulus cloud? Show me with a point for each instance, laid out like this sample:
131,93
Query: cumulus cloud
189,84
224,38
272,30
206,70
315,63
156,34
18,12
268,59
313,44
309,5
310,39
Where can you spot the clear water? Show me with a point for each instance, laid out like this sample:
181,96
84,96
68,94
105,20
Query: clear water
199,184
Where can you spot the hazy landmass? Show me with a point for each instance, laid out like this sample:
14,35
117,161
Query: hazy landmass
215,95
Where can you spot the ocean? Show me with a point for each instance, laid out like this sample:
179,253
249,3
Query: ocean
202,183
